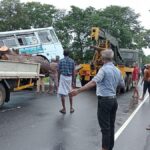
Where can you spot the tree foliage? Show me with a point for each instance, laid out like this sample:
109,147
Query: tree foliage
146,59
73,27
16,15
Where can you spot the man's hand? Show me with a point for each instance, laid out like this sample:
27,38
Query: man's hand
74,92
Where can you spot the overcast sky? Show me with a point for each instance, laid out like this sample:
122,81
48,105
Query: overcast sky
139,6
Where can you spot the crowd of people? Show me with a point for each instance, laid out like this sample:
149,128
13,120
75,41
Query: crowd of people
108,78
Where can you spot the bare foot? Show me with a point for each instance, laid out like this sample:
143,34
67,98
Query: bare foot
141,98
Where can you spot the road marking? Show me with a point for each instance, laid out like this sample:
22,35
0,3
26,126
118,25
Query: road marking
117,134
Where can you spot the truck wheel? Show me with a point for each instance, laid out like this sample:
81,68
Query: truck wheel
83,82
2,94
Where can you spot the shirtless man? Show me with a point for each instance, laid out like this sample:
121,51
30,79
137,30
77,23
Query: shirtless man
53,77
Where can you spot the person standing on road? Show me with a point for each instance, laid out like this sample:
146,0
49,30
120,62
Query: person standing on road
135,78
66,69
106,82
146,80
40,84
53,77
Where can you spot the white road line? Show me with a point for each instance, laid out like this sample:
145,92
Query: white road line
117,134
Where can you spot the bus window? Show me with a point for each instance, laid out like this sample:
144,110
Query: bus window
22,40
27,39
44,37
53,36
1,43
10,42
31,40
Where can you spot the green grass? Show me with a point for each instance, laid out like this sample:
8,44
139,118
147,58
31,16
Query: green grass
46,80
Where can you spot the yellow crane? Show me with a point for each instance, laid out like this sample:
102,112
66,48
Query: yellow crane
104,40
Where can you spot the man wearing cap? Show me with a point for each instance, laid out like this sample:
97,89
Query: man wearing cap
106,82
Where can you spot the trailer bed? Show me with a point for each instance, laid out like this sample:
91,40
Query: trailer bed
13,70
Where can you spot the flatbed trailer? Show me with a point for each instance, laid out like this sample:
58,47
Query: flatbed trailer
15,76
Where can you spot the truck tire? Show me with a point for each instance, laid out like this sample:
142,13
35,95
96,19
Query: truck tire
2,94
83,82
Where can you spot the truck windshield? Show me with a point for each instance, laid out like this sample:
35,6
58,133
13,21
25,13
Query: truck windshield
44,37
127,55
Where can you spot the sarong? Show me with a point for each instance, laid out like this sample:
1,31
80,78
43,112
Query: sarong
65,85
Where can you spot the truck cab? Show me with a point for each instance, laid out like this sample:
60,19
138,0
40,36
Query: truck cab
131,56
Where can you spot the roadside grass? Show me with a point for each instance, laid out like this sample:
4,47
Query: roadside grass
46,80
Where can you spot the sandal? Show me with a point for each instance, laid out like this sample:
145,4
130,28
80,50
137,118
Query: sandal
148,128
72,110
135,97
62,111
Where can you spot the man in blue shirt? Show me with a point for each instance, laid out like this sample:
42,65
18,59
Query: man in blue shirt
106,82
66,80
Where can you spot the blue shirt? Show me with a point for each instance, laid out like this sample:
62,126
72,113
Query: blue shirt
107,80
66,66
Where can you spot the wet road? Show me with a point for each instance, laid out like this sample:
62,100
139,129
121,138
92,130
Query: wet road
33,122
135,136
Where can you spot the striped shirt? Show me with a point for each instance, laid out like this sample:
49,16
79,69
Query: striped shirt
66,66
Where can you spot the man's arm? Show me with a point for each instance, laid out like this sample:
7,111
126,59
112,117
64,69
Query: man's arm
89,85
83,88
145,75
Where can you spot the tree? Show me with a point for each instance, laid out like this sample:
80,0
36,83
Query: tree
10,14
73,27
77,24
122,23
16,15
61,29
146,59
38,15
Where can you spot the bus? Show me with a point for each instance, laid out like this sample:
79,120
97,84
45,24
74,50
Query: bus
35,41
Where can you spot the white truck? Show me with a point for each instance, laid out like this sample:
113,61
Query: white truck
15,76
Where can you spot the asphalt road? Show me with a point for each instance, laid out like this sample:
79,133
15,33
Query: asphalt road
135,136
33,122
